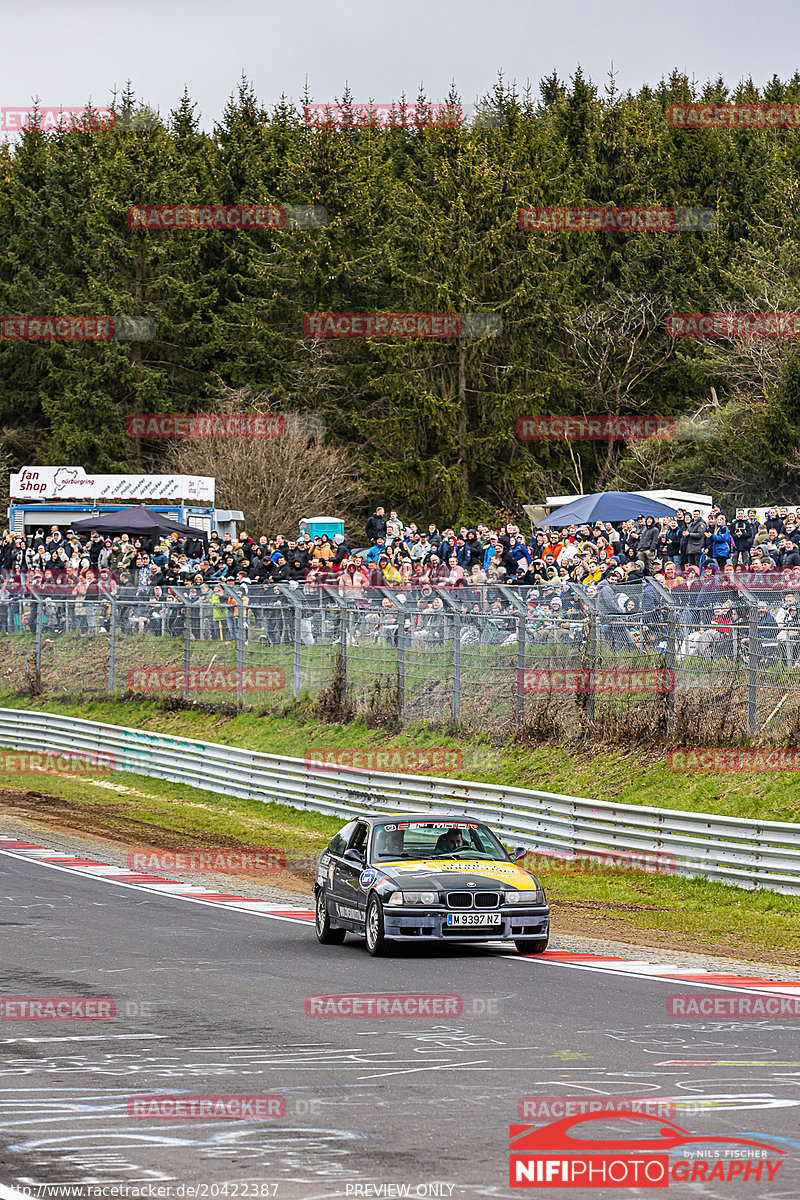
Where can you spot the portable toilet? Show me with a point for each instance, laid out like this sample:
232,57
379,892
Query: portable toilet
316,526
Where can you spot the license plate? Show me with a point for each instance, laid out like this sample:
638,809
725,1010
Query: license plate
474,919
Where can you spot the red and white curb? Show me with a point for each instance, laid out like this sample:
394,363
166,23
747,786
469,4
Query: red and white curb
158,885
693,976
105,873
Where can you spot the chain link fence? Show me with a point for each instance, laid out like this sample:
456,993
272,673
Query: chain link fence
478,657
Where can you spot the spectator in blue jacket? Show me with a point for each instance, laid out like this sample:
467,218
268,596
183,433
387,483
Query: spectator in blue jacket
721,547
520,552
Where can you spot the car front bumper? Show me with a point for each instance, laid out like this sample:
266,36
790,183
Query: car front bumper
526,921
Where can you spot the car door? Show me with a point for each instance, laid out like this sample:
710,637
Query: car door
330,859
348,897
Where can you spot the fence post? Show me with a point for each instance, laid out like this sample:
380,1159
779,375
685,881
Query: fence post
520,708
241,626
187,655
672,638
456,668
592,652
752,666
401,664
39,613
112,647
298,617
343,650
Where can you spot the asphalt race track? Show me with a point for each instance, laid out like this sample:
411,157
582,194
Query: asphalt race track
211,1001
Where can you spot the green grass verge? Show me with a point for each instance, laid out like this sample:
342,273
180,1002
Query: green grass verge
628,777
121,802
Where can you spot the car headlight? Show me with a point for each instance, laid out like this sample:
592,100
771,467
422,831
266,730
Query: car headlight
527,897
420,897
395,899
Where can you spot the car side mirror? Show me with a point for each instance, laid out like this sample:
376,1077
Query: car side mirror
353,855
519,852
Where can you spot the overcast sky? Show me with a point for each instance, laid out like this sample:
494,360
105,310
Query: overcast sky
66,52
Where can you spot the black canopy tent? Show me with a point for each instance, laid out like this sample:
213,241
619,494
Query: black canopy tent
138,519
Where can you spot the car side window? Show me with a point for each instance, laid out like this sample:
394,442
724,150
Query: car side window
338,843
359,839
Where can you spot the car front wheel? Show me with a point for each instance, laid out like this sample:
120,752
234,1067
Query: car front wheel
376,939
531,945
322,923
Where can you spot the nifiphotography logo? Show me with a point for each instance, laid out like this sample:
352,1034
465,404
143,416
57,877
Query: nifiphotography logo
657,1154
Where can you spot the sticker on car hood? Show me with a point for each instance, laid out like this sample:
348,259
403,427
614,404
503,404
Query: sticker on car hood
508,873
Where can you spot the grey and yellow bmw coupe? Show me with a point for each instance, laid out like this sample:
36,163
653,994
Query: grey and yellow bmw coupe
409,877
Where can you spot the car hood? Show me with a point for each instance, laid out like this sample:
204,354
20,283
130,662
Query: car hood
455,873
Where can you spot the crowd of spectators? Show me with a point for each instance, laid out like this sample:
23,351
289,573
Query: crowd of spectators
703,561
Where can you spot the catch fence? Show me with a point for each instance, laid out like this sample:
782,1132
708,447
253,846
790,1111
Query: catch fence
477,657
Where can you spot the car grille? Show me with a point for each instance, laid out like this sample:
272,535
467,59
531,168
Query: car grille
470,899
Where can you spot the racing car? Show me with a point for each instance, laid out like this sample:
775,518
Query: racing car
425,878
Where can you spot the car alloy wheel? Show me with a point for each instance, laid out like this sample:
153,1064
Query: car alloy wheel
326,934
376,939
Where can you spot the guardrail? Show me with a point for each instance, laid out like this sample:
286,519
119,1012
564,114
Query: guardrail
733,850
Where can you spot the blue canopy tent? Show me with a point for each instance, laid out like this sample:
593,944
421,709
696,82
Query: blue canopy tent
606,506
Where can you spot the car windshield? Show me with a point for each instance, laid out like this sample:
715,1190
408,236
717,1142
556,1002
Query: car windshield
436,839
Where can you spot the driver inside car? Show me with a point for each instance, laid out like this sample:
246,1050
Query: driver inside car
450,841
390,844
